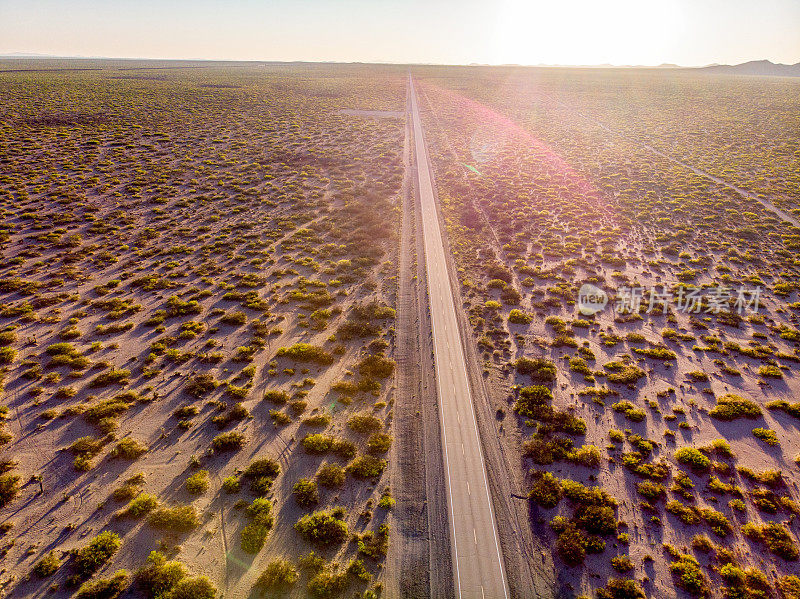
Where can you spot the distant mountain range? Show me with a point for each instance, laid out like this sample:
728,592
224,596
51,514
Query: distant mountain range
763,68
756,67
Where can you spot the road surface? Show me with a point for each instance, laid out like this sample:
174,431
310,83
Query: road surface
477,562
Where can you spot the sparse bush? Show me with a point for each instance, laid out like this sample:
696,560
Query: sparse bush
305,492
692,457
730,407
279,575
128,448
231,441
546,490
47,566
366,466
97,553
323,528
330,475
181,518
105,588
198,482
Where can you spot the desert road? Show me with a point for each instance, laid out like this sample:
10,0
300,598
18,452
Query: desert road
477,562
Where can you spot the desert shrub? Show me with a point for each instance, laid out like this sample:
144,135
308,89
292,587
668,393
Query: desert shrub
201,385
776,537
305,492
633,413
702,543
718,522
113,376
139,506
9,488
692,457
231,484
686,514
531,400
374,544
159,576
596,519
128,448
366,466
793,409
236,318
330,475
181,518
276,396
651,490
379,443
327,583
376,366
517,316
585,455
364,423
198,482
47,566
571,545
105,588
623,373
546,490
621,588
305,352
324,528
7,355
97,553
539,369
279,575
789,586
231,441
196,587
767,435
730,407
621,563
689,576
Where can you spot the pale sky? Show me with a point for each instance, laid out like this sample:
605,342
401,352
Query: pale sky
686,32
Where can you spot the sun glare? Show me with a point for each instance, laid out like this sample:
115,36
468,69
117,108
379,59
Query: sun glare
586,32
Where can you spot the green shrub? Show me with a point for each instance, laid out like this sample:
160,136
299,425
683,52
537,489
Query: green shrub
180,518
7,355
532,400
47,566
231,441
376,366
196,587
622,563
279,575
105,588
9,488
767,435
322,528
97,553
276,396
201,385
139,506
517,316
546,490
198,482
731,407
231,484
113,376
793,409
364,423
305,352
692,457
159,576
571,546
621,588
539,369
305,492
330,475
776,537
366,466
327,583
689,576
128,448
379,443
